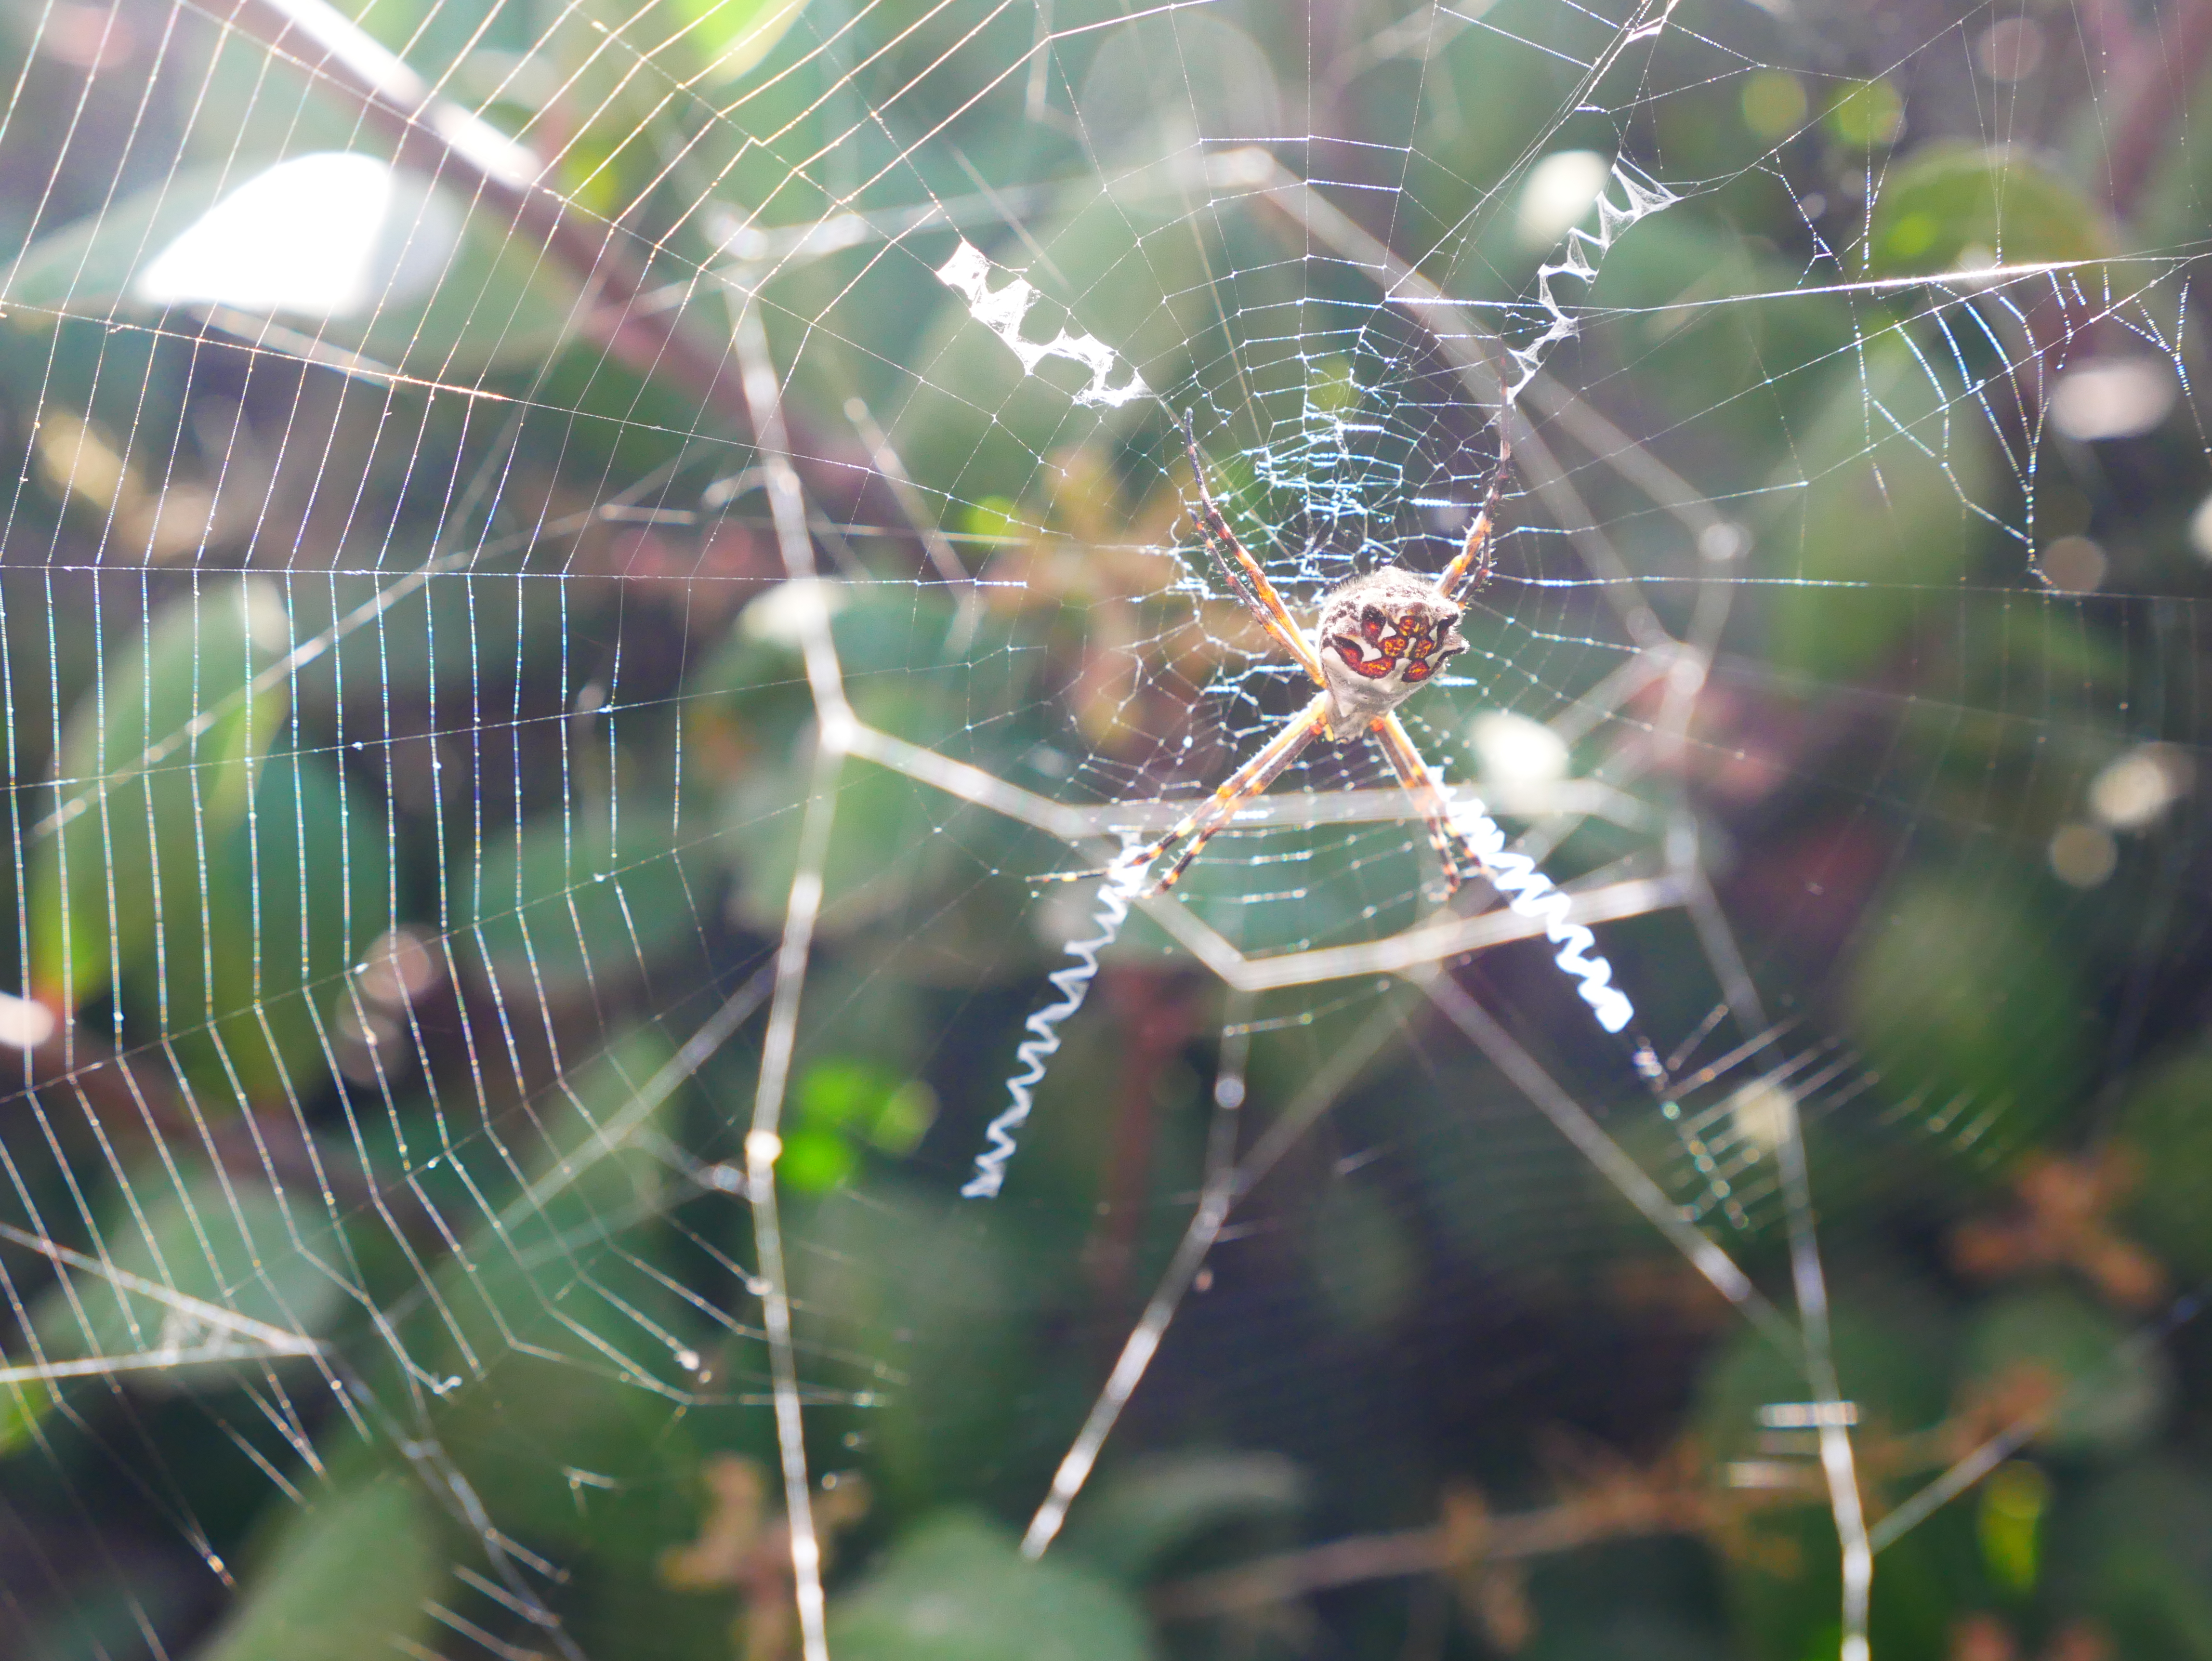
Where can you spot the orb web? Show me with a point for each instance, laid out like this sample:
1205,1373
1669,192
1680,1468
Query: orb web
572,571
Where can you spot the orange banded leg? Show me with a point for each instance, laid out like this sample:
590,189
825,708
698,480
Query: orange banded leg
1421,784
1249,780
1245,580
1470,568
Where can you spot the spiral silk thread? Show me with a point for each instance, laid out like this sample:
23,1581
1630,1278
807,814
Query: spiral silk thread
1123,878
1531,893
1644,195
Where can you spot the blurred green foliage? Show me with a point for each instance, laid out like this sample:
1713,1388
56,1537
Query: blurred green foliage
218,885
414,743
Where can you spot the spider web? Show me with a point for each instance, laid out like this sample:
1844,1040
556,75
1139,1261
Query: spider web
572,570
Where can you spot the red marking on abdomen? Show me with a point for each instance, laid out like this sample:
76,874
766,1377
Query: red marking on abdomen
1346,651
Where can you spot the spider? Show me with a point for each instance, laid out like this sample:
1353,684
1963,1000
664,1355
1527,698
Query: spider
1378,640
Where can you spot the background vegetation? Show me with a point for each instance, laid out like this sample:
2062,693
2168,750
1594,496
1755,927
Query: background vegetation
357,945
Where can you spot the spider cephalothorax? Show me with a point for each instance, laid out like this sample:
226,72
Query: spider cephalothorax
1381,637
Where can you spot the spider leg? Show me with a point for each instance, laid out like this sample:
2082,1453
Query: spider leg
1246,579
1471,568
1249,780
1421,784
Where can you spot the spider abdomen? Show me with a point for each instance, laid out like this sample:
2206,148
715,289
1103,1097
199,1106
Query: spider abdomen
1381,637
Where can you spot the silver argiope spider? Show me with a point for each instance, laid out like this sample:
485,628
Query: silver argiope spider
1378,640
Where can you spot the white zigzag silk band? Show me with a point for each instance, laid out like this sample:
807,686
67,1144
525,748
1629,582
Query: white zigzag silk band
1642,197
1001,311
1529,892
1525,889
1123,878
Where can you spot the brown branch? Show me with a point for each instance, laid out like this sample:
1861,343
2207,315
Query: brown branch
622,312
1468,1539
2062,1218
435,133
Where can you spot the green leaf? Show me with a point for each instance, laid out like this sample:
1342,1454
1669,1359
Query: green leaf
447,289
1888,1352
816,1161
142,796
559,901
957,1590
352,1578
2113,1395
222,890
1867,116
552,1333
1782,1571
1880,500
1365,1259
1966,999
216,1250
884,851
23,1408
1679,296
930,1308
1142,1515
1956,205
732,36
2168,1122
861,1100
2136,1553
2009,1525
289,902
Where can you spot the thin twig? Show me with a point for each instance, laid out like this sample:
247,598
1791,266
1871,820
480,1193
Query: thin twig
617,312
1462,1541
